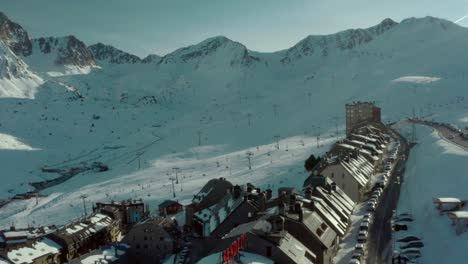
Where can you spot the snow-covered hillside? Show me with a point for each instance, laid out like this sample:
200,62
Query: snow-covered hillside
201,108
16,80
436,168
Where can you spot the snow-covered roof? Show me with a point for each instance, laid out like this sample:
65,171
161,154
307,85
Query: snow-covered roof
367,152
40,248
359,168
347,146
446,200
217,213
458,215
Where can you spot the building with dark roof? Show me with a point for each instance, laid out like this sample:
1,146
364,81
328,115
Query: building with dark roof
267,237
151,241
84,235
131,211
169,207
212,193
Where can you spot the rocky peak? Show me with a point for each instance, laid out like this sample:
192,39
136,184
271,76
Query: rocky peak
344,40
234,52
152,58
69,50
112,55
14,36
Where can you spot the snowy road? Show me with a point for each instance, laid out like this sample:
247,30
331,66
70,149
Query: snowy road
381,231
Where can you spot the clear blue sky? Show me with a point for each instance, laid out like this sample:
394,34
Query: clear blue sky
156,26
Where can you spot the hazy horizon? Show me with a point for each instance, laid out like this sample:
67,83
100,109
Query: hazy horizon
159,27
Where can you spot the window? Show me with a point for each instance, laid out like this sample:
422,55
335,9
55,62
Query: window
333,175
161,238
146,238
145,246
138,246
342,175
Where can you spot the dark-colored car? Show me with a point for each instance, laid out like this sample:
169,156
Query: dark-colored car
408,239
413,244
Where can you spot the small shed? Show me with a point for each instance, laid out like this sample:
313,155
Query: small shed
448,204
170,207
459,220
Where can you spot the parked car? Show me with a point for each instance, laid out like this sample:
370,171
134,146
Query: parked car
404,219
364,226
408,239
362,236
411,252
359,248
413,244
357,255
400,227
354,261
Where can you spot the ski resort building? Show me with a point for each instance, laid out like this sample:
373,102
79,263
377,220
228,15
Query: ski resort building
268,237
212,193
358,113
85,235
130,211
169,207
42,251
351,173
236,207
152,240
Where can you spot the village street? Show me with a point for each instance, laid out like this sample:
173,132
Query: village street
380,233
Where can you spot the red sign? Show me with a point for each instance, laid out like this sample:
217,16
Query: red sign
236,246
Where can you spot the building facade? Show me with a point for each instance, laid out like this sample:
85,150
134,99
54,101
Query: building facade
360,112
151,241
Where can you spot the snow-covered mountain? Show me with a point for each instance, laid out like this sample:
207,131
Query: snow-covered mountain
152,58
62,55
14,36
16,80
110,54
200,108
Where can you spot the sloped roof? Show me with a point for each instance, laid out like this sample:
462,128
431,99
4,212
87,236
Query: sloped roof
213,191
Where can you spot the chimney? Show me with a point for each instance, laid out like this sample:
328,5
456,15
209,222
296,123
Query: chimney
312,206
308,193
237,192
279,223
292,201
269,194
282,197
298,210
258,190
328,188
333,186
281,208
249,189
262,201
